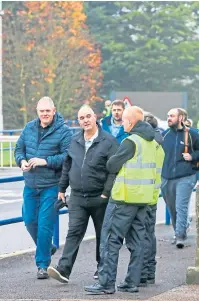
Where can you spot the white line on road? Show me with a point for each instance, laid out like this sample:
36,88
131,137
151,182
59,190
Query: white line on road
21,252
2,201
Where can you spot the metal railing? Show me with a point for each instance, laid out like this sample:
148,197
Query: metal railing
7,146
6,153
19,219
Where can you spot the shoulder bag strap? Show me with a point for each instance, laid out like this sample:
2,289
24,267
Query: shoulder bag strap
186,136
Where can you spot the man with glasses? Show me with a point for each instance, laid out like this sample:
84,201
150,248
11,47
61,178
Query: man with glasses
85,171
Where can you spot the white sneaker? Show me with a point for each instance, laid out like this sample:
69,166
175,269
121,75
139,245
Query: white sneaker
54,273
173,242
180,243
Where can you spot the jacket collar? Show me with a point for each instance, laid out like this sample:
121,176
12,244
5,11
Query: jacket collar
175,130
80,136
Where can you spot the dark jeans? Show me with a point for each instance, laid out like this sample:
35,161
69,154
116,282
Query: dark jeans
39,217
121,221
149,261
80,210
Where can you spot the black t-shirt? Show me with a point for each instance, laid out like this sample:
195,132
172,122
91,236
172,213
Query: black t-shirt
42,131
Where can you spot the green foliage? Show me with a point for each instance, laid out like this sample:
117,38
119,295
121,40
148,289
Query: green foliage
147,45
47,50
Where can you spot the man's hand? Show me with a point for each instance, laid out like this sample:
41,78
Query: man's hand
103,196
61,201
187,157
37,162
25,166
61,196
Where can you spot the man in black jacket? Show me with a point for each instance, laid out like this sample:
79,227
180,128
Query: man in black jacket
85,171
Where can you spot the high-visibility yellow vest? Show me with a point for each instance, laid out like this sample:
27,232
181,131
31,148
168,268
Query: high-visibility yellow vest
136,179
159,163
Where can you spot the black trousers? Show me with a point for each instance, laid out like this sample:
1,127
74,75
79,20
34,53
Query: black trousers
80,210
149,261
122,221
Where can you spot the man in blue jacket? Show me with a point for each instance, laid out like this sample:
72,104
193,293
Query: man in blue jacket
113,123
178,173
40,152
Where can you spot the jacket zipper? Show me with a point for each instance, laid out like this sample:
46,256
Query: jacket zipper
175,152
82,171
83,165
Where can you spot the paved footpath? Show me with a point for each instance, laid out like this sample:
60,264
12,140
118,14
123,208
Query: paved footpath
18,274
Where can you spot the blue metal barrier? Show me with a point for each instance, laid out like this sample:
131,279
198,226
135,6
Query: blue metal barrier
19,219
63,211
70,123
167,216
11,179
11,132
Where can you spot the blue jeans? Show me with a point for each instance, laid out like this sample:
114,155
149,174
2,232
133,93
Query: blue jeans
177,194
39,216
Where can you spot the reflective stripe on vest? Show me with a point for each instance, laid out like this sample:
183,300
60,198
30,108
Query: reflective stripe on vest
136,181
140,165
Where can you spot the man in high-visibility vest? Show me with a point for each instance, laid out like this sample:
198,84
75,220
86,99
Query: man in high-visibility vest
135,165
149,261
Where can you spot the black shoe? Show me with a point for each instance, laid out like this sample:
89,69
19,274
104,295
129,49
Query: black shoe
57,275
53,250
95,276
151,281
125,287
143,282
42,273
98,289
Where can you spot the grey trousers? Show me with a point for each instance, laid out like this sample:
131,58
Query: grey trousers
149,261
177,194
121,221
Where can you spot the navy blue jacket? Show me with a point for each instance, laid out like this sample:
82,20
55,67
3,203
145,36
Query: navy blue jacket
52,147
173,144
106,123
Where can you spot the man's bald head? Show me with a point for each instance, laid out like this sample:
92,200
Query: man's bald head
135,112
45,101
46,110
131,116
85,109
107,103
87,118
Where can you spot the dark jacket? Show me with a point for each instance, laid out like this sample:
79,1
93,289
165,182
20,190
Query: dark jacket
173,144
127,148
158,137
86,173
52,147
106,123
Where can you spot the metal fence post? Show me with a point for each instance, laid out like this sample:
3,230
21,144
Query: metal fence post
167,216
56,232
